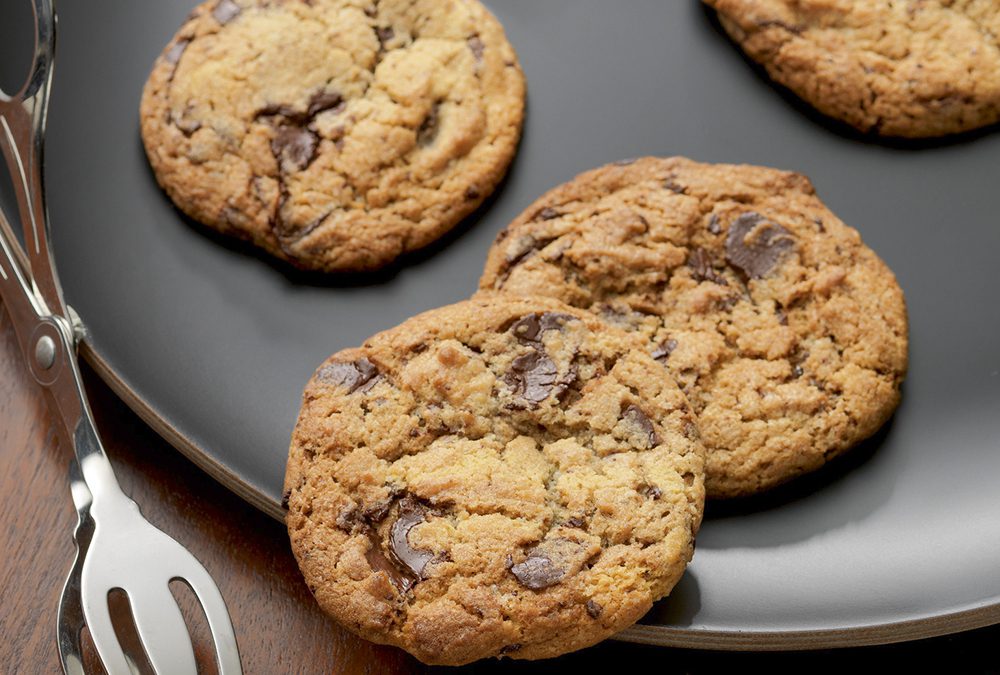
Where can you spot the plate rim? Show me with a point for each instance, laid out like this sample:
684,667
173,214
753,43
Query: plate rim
865,635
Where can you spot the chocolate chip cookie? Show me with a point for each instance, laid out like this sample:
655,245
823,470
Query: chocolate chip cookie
911,68
501,477
787,333
335,134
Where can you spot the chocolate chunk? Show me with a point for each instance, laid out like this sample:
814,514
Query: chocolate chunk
384,34
819,224
325,100
477,47
531,327
533,377
226,11
360,375
186,126
797,372
594,609
429,128
525,246
671,184
537,572
295,145
378,561
549,562
349,519
651,491
636,416
411,514
285,496
575,521
509,649
547,213
700,261
173,55
471,193
713,224
755,245
662,353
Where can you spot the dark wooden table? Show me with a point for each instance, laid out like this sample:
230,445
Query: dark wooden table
279,628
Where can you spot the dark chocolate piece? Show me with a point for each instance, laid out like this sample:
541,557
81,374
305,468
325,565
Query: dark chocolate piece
636,416
226,11
702,268
531,327
325,100
755,245
662,353
429,128
360,375
477,47
594,609
713,224
411,513
295,145
533,377
547,213
173,55
384,34
538,571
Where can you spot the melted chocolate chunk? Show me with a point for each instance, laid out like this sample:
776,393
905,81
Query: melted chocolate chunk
411,514
651,491
549,562
471,193
537,572
713,224
594,609
360,375
429,128
755,245
176,51
533,377
547,213
295,145
378,561
526,245
702,268
575,521
226,11
636,416
509,649
384,34
325,100
671,184
662,353
477,47
531,327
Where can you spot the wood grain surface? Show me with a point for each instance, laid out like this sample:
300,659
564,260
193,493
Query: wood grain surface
279,628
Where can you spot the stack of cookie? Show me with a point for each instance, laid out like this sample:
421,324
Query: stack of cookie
521,474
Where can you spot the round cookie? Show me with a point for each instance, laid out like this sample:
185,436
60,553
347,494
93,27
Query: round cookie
788,334
915,68
335,134
500,477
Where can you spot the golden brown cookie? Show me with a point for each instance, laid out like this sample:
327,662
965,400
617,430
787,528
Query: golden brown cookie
787,333
911,68
335,134
500,477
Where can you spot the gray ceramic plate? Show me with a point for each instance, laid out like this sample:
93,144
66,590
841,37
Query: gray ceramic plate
212,343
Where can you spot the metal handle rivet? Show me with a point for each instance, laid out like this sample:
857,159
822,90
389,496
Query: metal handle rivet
45,352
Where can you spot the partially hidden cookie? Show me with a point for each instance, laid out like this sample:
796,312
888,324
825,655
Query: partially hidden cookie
786,332
910,68
335,134
501,477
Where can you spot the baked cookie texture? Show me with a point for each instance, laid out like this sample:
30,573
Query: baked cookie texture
501,477
787,333
335,134
908,68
